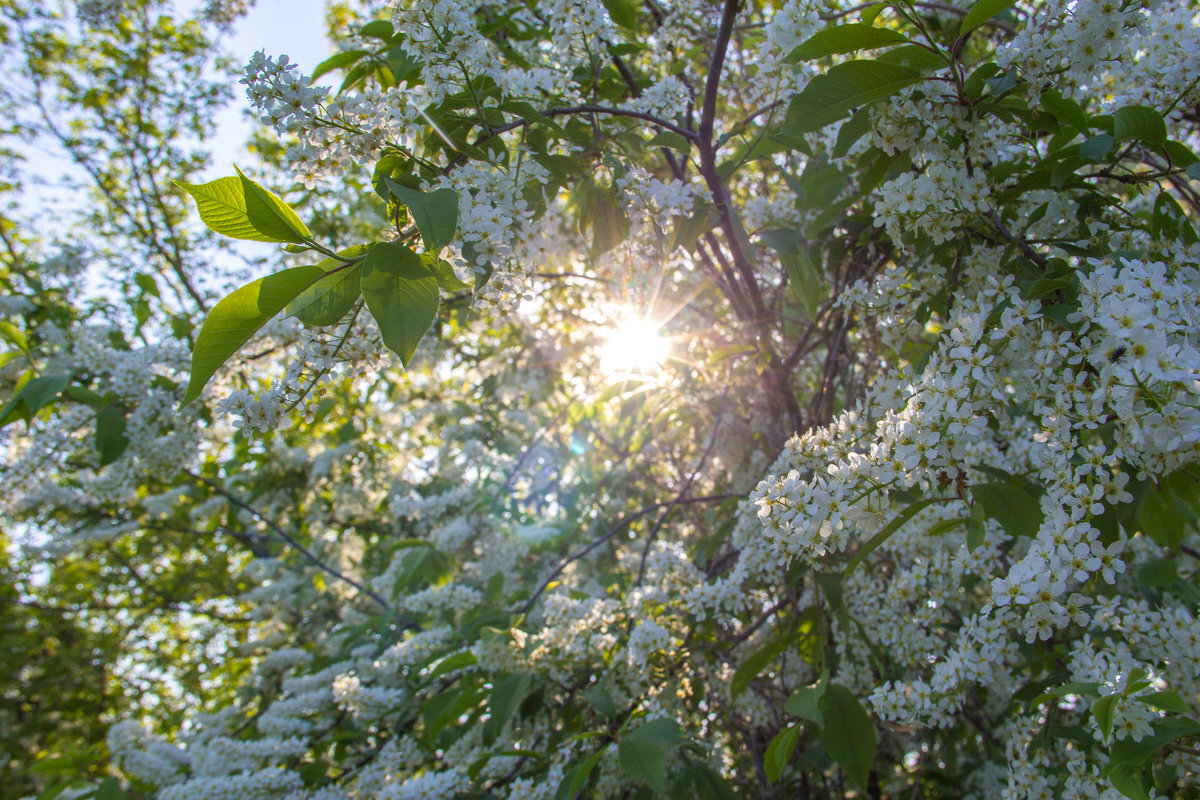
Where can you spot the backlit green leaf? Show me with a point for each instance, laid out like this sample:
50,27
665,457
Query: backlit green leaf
239,316
329,299
402,294
436,213
271,215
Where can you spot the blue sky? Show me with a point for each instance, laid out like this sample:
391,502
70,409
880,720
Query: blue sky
292,27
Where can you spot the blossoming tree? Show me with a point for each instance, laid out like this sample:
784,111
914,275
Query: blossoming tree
701,399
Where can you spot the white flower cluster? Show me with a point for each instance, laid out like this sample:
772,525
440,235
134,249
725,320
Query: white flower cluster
322,358
936,202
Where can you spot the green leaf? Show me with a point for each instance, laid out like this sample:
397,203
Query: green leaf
1065,110
573,784
844,39
109,789
1157,572
851,131
623,12
1102,712
33,396
913,56
226,205
14,335
436,711
804,280
601,700
829,97
672,140
1166,731
1139,122
981,12
110,439
662,730
1010,505
645,762
1097,147
779,752
447,278
222,207
402,294
1181,155
976,531
377,29
451,663
847,735
506,696
805,702
1157,518
329,299
436,213
239,316
897,522
1128,781
1166,701
756,662
271,215
336,61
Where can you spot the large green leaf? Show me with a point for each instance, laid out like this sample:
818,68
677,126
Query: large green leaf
757,661
1010,505
847,735
436,213
779,752
805,702
337,61
239,208
1139,122
506,696
239,316
32,396
110,439
829,97
644,761
662,730
271,215
572,784
1065,110
328,300
844,39
1158,518
623,12
402,294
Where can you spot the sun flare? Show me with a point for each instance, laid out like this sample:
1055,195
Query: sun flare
633,347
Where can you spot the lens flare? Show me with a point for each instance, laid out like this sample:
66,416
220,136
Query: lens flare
633,348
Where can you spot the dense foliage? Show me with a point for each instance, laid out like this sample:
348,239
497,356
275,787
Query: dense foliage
783,399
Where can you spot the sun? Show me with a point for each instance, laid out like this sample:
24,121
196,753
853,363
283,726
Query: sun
633,347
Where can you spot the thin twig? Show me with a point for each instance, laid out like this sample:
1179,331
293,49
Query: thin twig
289,539
613,531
